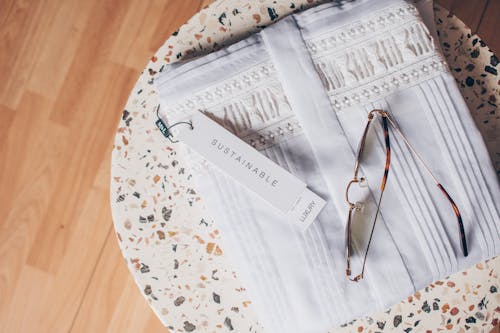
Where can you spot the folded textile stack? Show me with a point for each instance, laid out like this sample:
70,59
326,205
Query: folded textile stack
299,91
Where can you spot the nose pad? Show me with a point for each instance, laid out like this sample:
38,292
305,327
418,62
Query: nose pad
359,206
363,182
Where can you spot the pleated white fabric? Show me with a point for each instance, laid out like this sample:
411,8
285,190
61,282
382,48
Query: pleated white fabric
299,92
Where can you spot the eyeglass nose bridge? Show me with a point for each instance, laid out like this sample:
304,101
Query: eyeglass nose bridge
381,113
360,180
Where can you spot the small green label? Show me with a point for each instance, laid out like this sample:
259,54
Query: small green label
163,128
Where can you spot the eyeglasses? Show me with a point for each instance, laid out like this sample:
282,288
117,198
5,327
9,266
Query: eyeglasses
386,120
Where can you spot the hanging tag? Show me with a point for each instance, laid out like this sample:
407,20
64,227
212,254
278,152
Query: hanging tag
253,170
162,127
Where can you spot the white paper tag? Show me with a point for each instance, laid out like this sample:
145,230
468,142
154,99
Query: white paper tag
306,208
250,168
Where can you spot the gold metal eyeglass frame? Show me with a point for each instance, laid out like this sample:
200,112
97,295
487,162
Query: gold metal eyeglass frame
386,120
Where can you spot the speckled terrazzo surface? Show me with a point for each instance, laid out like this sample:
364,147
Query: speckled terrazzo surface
171,247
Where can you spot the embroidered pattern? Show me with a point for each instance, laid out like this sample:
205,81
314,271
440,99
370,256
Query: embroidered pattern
250,104
381,87
370,58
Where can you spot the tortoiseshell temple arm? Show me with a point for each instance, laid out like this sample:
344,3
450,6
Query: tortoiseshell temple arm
459,218
387,152
455,208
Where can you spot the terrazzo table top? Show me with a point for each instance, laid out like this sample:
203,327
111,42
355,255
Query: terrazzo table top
170,244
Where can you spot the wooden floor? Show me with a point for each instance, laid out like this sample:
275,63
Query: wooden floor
66,70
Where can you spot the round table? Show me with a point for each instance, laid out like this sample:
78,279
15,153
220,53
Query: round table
171,247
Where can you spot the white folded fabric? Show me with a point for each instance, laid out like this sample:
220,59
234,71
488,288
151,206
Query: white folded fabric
299,92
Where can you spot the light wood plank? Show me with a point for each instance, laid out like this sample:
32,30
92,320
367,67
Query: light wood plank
489,28
67,69
91,67
470,11
59,44
445,3
88,143
113,301
174,15
27,179
54,309
21,29
481,16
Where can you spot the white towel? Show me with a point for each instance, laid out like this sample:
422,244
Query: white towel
299,92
